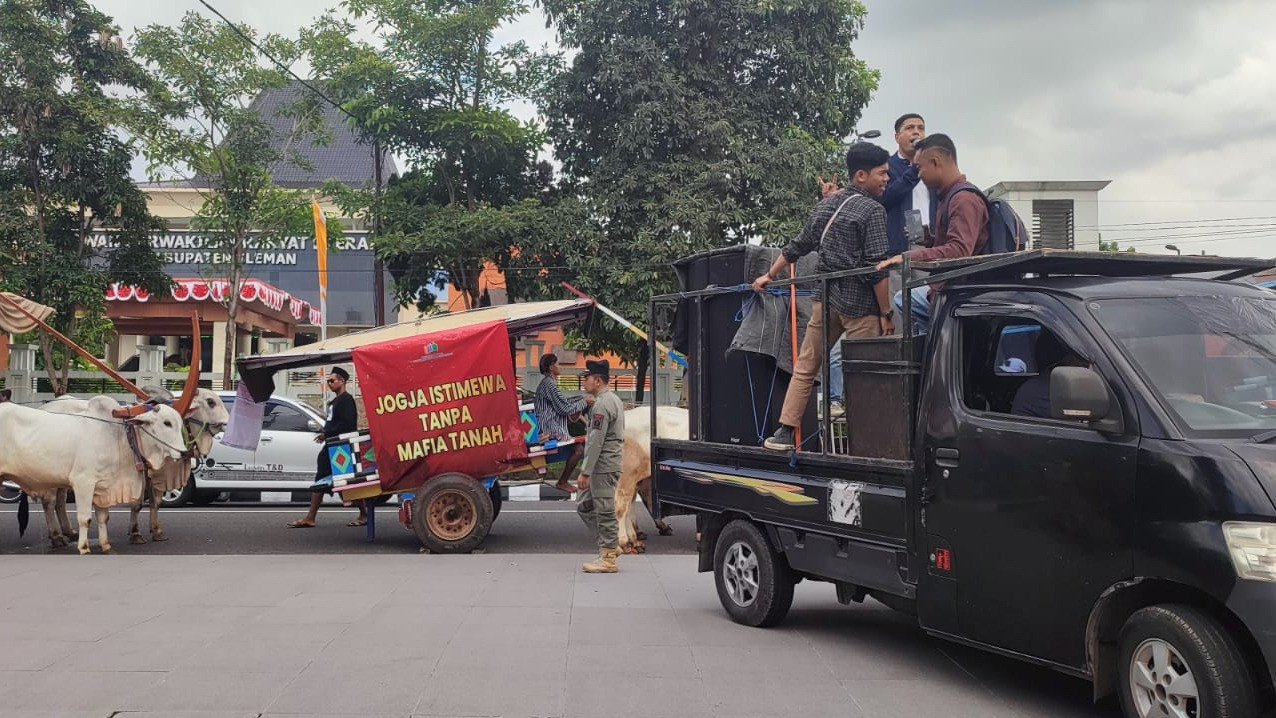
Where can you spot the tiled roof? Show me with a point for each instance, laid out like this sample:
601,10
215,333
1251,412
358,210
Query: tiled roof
344,158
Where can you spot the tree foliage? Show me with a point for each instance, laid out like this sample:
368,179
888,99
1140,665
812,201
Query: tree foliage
224,147
434,89
693,124
64,167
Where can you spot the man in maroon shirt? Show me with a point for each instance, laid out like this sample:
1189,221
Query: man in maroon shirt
963,234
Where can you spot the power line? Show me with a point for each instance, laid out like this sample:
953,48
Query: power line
252,43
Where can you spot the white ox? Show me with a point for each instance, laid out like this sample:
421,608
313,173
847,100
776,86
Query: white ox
87,453
205,417
635,468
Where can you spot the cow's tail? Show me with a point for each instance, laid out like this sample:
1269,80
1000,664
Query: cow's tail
24,513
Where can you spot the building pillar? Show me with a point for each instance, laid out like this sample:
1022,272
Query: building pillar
219,354
21,376
150,366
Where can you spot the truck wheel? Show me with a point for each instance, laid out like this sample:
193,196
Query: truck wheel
755,584
495,494
452,513
1178,661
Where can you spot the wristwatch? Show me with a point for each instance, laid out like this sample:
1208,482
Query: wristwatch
888,314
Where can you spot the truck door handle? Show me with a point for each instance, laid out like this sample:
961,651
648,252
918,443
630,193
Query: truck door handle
947,457
267,439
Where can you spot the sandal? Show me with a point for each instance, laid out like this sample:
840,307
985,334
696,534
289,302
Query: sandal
300,524
358,522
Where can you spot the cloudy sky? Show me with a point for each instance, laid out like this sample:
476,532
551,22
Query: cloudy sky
1170,99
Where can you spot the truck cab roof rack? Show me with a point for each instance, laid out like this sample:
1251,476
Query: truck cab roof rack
1056,262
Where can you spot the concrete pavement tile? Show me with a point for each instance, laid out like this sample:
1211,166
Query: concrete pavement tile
193,623
421,649
770,662
1033,689
123,652
470,693
520,615
865,643
929,696
28,654
771,696
482,634
587,596
250,654
77,690
188,714
626,627
708,627
355,689
547,661
319,629
188,689
649,662
553,592
57,714
637,696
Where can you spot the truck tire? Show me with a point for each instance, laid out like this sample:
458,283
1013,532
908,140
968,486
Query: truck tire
755,583
1177,660
495,494
452,513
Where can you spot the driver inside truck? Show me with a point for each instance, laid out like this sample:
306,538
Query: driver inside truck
1033,396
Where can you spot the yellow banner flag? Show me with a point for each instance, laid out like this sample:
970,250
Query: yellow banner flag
321,245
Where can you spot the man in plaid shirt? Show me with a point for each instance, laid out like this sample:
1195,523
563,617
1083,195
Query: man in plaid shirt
849,230
553,409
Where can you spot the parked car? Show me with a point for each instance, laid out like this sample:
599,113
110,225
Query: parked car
284,460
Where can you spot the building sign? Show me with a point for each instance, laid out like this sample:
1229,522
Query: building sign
291,265
440,402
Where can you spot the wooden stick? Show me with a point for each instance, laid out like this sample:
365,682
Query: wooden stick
78,349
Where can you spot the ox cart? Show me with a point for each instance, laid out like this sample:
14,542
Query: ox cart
444,419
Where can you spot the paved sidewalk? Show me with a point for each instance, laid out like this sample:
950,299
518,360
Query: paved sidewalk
480,635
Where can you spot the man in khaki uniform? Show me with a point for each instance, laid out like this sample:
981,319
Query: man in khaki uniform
601,469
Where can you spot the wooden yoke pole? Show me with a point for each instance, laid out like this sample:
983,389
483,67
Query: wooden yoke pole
130,386
793,336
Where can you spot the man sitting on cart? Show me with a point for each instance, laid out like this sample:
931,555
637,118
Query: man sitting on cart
553,411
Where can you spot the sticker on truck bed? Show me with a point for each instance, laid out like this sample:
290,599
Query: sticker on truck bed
845,503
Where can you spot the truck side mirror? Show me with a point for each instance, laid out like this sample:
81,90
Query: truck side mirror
314,425
1078,394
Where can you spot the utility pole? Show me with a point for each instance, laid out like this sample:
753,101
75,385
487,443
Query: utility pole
378,280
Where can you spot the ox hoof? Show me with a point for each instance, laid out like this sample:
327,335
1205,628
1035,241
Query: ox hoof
58,542
642,536
159,536
136,539
107,550
666,531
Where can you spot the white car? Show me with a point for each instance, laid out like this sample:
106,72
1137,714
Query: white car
284,461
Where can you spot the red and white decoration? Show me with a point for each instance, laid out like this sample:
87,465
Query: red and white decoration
199,290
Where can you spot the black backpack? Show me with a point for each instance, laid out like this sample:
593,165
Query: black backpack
1006,231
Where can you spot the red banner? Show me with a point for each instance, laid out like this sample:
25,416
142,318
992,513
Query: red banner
440,402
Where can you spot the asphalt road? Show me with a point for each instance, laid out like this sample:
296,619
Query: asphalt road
241,528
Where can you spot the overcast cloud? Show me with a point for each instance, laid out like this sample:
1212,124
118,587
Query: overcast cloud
1170,99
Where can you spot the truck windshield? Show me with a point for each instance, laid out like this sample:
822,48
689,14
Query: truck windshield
1211,360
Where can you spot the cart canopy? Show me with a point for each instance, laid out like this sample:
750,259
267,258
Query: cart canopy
257,372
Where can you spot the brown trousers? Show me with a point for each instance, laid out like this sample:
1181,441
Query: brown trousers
813,354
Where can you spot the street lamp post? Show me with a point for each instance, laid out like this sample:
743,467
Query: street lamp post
1176,249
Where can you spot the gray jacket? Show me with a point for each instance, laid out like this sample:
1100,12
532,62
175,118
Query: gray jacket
606,437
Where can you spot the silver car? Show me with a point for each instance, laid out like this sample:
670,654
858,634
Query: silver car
284,461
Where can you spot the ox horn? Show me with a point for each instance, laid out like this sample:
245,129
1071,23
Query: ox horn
192,376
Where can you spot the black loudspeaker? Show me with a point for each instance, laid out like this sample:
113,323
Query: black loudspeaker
742,393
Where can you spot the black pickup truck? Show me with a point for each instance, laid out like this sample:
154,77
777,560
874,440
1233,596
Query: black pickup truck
1075,467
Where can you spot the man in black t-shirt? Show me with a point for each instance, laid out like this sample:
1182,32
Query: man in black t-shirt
343,418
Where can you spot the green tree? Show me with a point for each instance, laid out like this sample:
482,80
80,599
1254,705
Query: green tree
225,148
434,90
64,168
693,124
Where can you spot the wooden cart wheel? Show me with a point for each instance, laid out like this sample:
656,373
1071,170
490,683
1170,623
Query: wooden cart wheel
452,513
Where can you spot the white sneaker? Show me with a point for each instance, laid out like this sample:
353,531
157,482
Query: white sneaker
837,409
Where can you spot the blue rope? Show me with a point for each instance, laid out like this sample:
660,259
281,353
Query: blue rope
746,304
753,402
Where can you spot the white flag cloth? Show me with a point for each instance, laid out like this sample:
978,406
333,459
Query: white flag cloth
243,431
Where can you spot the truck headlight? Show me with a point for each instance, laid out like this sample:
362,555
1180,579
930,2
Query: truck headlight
1253,549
